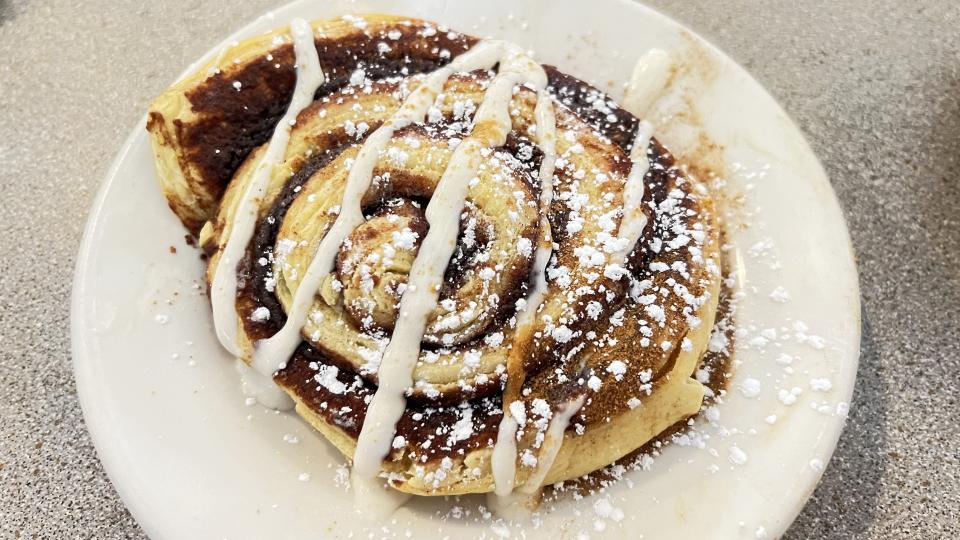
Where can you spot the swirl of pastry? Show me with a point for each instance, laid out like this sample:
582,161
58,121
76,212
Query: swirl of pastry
468,270
373,265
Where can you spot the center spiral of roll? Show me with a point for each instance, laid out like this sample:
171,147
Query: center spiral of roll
374,264
373,268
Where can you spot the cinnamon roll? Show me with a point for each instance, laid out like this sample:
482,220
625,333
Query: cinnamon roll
469,271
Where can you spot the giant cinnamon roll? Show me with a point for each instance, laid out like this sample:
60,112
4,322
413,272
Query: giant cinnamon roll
470,272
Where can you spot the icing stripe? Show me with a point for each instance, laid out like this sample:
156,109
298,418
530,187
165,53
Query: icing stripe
552,442
223,290
634,220
648,81
503,460
546,140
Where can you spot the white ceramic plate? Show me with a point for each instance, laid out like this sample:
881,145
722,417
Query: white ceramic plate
192,460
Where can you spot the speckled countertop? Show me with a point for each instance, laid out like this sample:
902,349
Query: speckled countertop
874,85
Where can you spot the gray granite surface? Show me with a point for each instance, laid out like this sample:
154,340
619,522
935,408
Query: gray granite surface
875,85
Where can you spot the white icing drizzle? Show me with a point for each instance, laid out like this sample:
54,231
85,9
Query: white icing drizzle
272,354
503,460
519,504
650,76
515,506
552,442
262,388
492,124
223,291
547,141
634,220
443,213
379,501
647,83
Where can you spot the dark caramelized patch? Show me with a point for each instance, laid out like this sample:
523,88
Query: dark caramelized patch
456,275
420,422
617,124
233,121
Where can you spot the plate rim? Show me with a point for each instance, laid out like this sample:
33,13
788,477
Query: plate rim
86,369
